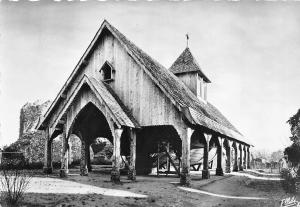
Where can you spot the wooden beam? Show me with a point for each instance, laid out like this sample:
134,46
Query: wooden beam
171,161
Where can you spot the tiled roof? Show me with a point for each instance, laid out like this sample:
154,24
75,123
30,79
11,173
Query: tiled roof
118,109
187,63
204,114
179,91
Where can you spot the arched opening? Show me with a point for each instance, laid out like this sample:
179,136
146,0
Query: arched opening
92,128
198,143
214,148
56,148
90,123
154,143
235,157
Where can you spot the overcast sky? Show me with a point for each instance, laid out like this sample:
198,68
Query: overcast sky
249,50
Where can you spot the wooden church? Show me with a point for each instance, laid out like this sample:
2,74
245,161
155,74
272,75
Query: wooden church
119,92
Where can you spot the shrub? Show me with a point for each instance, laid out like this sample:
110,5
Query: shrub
13,184
56,165
12,163
289,181
34,166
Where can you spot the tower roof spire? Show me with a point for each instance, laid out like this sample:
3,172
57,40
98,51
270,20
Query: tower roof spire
186,63
187,39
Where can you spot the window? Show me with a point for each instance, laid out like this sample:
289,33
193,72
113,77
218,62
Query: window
107,72
201,88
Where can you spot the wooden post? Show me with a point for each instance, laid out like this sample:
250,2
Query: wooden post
69,151
88,157
219,170
228,156
157,160
64,156
83,159
248,155
185,136
241,157
235,163
115,173
245,158
168,159
48,169
205,171
131,171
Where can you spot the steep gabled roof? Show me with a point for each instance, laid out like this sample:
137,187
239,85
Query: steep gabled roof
178,92
187,63
116,108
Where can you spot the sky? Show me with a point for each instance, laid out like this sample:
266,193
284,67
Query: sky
248,49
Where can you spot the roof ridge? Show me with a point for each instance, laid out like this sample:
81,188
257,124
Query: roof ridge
193,101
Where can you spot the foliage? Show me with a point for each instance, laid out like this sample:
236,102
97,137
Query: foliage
13,184
293,153
289,180
262,154
276,156
295,128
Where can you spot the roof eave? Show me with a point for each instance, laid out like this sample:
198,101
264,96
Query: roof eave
192,71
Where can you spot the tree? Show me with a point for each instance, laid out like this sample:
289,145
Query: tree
262,154
293,151
295,127
276,156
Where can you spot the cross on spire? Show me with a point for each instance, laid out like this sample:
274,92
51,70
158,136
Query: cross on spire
187,40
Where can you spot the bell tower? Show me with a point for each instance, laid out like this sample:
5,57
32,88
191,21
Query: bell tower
189,72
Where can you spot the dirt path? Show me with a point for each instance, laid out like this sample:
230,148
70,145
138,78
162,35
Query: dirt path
162,191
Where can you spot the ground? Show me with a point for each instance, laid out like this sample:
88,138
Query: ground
96,190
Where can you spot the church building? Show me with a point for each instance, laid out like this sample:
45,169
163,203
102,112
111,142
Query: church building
119,92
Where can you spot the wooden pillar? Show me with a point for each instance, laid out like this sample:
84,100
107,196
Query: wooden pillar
235,163
157,159
168,159
185,136
115,173
48,169
245,158
64,155
88,157
69,151
248,156
228,156
219,170
205,171
241,157
83,161
131,171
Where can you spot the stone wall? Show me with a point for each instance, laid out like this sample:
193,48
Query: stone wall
32,142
